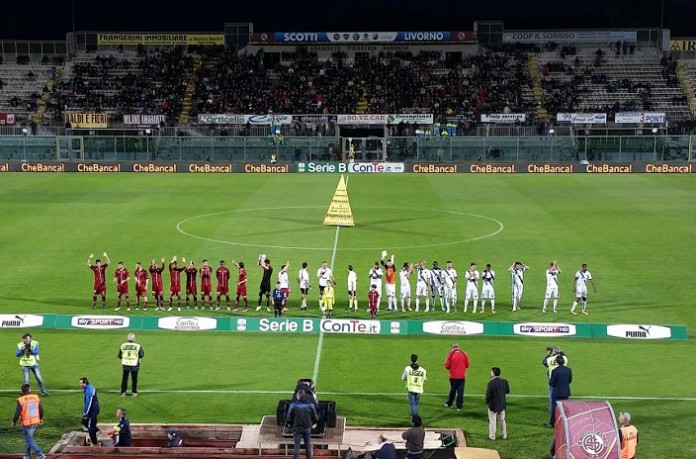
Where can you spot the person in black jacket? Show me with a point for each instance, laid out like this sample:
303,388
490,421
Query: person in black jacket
496,391
560,380
175,440
302,415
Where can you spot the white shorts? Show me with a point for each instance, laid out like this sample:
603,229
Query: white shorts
405,291
517,290
436,290
471,292
552,292
390,289
487,292
421,290
450,292
581,292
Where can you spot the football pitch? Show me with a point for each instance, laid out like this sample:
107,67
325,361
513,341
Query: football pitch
636,232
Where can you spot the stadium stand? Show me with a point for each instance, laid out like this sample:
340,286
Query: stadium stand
488,82
22,87
125,83
591,79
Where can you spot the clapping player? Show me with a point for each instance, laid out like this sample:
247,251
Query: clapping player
206,284
141,281
223,284
191,287
552,286
121,277
157,287
175,282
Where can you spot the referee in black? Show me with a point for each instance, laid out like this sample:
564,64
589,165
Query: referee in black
265,287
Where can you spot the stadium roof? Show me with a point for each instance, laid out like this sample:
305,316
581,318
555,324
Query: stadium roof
50,19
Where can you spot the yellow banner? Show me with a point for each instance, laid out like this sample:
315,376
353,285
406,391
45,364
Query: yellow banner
87,120
340,213
161,39
688,45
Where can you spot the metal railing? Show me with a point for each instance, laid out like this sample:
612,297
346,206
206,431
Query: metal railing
438,149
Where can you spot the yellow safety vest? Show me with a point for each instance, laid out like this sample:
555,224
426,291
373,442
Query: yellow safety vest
415,379
28,360
552,365
129,354
629,442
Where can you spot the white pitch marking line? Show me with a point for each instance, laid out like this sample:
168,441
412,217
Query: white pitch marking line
366,394
320,342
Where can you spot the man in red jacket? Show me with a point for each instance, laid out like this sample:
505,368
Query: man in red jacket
456,362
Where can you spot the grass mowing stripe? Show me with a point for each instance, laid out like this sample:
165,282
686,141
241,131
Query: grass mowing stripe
365,394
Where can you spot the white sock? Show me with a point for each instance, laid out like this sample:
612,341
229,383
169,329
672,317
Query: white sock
546,303
584,306
492,305
575,305
475,304
417,304
555,304
466,305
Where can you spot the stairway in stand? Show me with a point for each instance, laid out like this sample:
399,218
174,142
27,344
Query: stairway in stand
688,89
184,117
533,68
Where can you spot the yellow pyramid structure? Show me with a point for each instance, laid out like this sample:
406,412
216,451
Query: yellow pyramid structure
340,213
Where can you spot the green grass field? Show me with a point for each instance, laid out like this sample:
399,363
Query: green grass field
636,232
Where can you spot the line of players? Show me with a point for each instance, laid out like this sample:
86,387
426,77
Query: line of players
431,284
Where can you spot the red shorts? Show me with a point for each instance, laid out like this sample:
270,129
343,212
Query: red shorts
157,289
100,289
175,288
122,289
206,289
223,290
373,308
140,290
191,289
286,291
241,290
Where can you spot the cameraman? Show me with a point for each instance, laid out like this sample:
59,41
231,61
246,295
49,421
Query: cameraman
550,362
28,353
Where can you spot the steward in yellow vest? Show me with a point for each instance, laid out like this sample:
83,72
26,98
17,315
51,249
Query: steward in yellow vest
130,354
415,377
28,353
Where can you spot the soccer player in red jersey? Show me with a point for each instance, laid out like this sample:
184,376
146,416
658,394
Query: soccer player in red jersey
373,299
206,284
121,277
141,281
157,287
191,287
99,271
175,282
223,284
241,286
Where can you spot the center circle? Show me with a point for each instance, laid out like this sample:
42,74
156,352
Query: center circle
247,225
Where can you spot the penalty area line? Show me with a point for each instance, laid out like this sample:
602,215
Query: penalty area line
366,394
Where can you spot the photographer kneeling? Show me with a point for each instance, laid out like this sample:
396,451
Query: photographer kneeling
550,362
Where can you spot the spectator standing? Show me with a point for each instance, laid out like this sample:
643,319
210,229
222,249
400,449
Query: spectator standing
130,354
415,377
560,381
30,411
496,391
90,410
302,415
457,362
28,353
628,436
415,439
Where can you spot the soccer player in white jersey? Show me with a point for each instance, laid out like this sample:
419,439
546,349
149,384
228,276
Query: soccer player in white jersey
422,285
375,278
450,275
436,287
284,281
580,289
405,286
303,280
472,277
487,289
517,270
552,286
325,276
352,289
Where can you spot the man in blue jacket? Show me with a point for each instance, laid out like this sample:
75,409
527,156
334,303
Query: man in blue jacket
302,415
560,381
90,411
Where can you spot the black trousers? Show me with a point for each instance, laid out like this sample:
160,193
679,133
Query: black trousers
90,422
124,380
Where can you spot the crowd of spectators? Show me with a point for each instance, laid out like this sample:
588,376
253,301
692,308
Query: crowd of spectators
155,82
489,82
588,85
